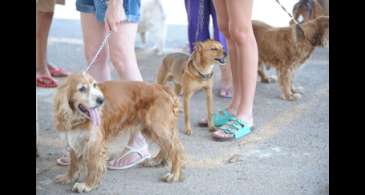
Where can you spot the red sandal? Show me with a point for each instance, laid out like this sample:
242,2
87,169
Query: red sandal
57,72
46,82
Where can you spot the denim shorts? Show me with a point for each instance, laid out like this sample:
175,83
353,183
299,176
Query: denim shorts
131,7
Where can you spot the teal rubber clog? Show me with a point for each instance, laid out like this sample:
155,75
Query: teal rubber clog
221,117
235,127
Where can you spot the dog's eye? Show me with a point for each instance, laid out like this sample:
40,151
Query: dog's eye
82,89
94,85
214,49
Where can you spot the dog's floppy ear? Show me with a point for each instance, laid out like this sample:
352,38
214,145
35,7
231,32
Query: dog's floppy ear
197,53
62,108
299,33
198,46
315,30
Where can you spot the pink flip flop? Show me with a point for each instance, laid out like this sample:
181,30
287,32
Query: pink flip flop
64,160
115,164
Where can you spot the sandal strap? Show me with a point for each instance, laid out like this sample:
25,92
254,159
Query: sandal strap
239,123
45,79
135,150
231,127
236,127
221,117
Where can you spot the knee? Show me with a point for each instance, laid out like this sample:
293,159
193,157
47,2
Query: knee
122,57
240,35
45,15
118,61
100,60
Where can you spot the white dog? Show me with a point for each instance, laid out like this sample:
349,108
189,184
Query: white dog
153,20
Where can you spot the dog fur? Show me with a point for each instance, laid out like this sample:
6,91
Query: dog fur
153,20
306,10
192,73
128,105
287,48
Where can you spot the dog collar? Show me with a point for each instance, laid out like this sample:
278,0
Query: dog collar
309,5
203,76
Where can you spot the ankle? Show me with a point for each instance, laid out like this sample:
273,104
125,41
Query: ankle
231,110
246,118
138,141
43,71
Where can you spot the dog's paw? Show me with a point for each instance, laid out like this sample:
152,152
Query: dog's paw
211,128
63,179
292,97
271,79
296,96
298,89
152,163
81,187
188,131
169,178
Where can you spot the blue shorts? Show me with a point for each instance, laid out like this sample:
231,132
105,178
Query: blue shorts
131,8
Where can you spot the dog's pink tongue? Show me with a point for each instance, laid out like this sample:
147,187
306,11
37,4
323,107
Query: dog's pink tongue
95,118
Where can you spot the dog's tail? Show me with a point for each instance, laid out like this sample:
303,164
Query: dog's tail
162,74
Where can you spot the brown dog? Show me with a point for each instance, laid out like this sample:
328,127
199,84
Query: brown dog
287,48
192,73
306,10
91,114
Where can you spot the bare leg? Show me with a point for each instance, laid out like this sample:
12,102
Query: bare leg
241,31
222,17
43,20
226,81
124,59
243,55
122,52
93,35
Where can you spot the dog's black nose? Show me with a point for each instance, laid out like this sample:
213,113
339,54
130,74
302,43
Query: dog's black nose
99,100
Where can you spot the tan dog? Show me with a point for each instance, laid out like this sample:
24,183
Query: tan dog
287,48
91,114
192,73
306,10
